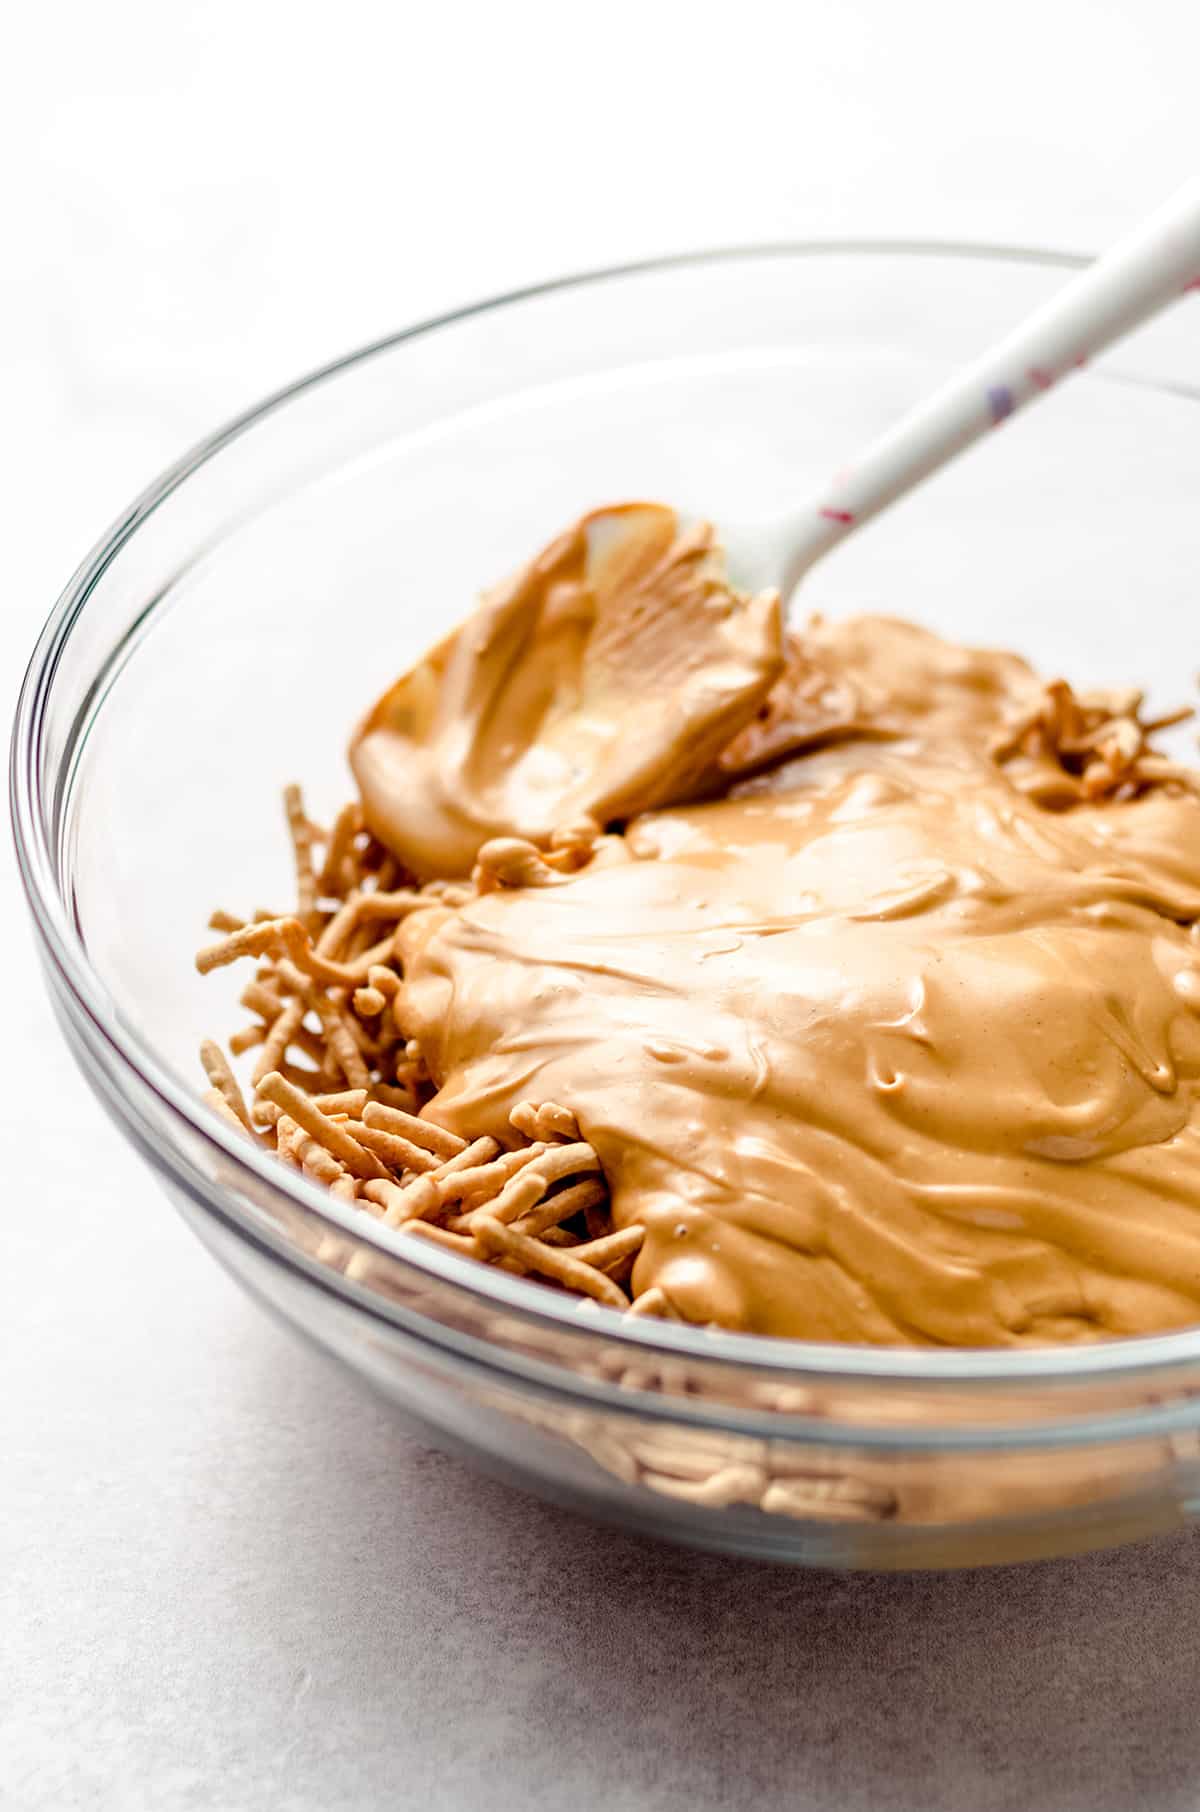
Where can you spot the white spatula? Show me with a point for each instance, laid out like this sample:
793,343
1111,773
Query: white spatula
1140,275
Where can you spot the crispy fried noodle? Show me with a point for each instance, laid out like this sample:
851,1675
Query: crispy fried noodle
337,1087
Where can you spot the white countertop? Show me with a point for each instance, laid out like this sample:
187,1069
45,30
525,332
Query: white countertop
226,1580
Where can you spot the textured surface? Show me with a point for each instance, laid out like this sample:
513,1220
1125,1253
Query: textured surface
246,1589
226,1581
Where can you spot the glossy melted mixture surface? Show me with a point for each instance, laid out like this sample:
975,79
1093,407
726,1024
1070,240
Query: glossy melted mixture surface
879,999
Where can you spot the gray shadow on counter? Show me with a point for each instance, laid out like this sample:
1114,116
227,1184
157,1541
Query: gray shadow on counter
484,1649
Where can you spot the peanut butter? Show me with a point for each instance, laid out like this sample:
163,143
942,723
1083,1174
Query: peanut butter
882,1014
605,677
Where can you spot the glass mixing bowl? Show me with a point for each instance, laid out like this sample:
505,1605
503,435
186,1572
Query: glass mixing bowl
226,633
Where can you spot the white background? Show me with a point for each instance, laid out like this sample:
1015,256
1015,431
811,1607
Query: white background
225,1580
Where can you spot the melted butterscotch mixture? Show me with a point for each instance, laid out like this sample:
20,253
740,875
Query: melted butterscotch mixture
879,998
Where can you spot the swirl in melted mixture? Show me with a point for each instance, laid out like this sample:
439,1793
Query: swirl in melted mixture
883,1020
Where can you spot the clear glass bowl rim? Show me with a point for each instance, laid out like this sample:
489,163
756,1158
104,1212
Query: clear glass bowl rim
1112,1362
